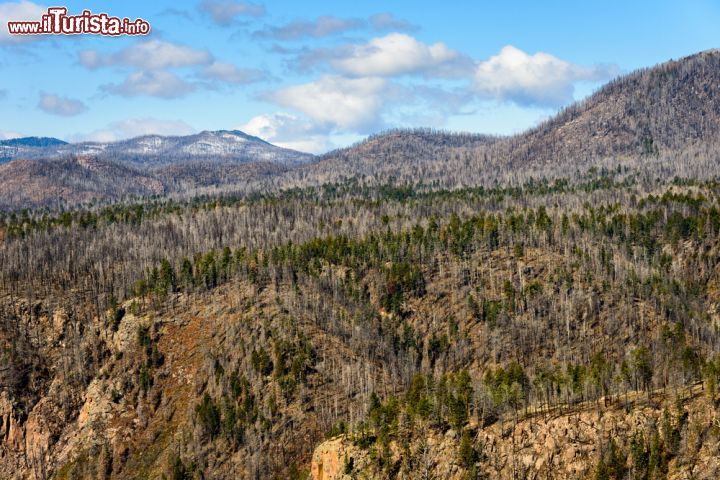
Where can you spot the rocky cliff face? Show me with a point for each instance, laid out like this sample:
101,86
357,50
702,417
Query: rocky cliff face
556,444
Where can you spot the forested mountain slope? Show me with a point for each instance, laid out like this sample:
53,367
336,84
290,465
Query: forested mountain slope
661,121
51,173
563,327
666,108
17,147
238,334
31,183
223,146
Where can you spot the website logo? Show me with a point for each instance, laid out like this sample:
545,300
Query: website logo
57,22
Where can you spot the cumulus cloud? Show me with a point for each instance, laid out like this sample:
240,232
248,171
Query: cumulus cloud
135,127
225,12
7,135
153,83
288,131
229,73
148,55
320,27
338,102
394,54
153,58
15,12
63,106
532,80
336,106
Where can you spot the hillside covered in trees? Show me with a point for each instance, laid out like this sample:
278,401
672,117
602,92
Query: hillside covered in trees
420,305
661,121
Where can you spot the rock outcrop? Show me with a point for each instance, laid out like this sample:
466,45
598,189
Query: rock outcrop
561,445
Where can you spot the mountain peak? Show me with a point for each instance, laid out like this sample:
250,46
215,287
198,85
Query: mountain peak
224,146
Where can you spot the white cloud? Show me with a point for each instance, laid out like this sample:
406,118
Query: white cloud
63,106
154,58
540,79
288,131
20,11
224,12
148,55
338,102
7,135
393,54
135,127
229,73
153,83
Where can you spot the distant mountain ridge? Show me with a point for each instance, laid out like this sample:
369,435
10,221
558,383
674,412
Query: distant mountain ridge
18,147
662,121
33,142
150,151
665,118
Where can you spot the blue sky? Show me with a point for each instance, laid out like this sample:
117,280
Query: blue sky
318,75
